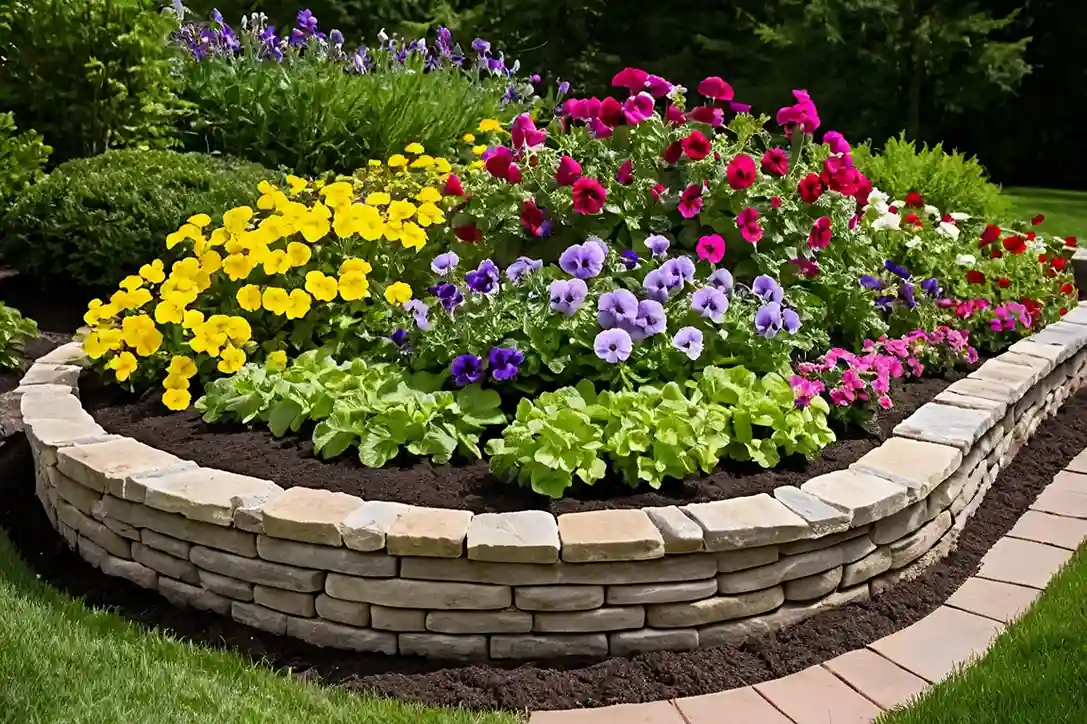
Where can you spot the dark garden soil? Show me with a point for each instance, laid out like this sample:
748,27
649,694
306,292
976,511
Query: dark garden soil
290,461
568,684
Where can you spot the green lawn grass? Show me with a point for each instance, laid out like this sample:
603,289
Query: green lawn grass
1065,211
63,663
1036,673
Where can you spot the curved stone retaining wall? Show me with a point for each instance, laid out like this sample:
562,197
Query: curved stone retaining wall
334,570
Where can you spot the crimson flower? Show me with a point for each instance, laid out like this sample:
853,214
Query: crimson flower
915,200
806,267
810,188
1003,282
633,79
589,195
656,191
534,219
864,188
696,146
611,112
1037,219
453,186
624,176
741,171
499,162
716,88
1062,311
690,201
673,115
1068,289
599,129
709,115
775,162
711,248
1058,263
991,234
568,172
975,277
1071,242
997,253
672,153
468,232
748,223
513,174
1015,244
775,202
819,236
913,218
524,132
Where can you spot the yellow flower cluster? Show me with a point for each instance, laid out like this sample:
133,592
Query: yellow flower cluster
296,250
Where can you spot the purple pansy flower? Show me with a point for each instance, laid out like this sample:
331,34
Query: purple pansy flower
613,345
650,320
521,268
505,362
931,287
906,292
658,244
722,279
630,259
679,270
884,304
567,295
484,279
617,308
688,340
583,261
658,285
449,295
711,303
896,269
444,263
419,313
466,369
767,289
768,320
870,282
790,320
399,337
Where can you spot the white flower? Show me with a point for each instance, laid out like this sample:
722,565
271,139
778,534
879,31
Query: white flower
877,197
1037,245
914,242
960,216
965,260
887,221
676,91
949,230
898,203
931,210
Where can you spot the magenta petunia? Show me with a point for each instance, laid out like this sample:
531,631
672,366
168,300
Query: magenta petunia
748,223
633,79
707,114
801,114
716,88
637,108
674,115
658,87
690,201
696,146
568,172
775,162
819,237
524,133
741,171
589,196
711,248
624,176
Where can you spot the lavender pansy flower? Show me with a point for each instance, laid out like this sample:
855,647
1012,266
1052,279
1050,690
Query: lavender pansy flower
711,303
658,244
658,285
449,295
481,46
906,292
722,279
790,320
679,270
484,279
505,362
564,87
650,320
567,295
688,340
870,282
336,38
768,321
767,289
521,268
613,345
583,261
444,263
466,369
617,308
419,312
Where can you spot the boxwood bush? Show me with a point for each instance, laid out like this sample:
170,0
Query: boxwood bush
94,220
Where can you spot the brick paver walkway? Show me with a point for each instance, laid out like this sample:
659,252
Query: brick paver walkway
855,687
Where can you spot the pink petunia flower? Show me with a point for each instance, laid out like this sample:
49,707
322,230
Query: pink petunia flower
690,201
711,248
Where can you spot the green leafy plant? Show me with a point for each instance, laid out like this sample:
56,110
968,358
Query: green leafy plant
90,75
15,331
378,408
654,433
22,156
94,220
952,182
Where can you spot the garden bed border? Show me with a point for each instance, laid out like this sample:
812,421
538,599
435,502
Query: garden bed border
333,570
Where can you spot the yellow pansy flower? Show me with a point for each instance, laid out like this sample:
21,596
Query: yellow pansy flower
423,161
299,304
238,266
488,125
429,214
378,198
397,293
278,359
153,272
193,318
415,148
478,150
123,365
181,366
355,265
397,160
298,254
219,237
316,226
412,236
236,220
392,230
176,400
141,334
167,313
273,228
353,285
374,163
179,291
199,220
338,194
249,297
296,184
131,283
400,210
186,268
175,382
275,300
321,286
210,262
428,195
91,316
100,341
276,262
238,330
442,165
468,138
475,165
207,338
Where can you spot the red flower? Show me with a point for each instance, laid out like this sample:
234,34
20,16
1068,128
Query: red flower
589,195
1037,219
775,162
673,115
947,219
997,253
1071,242
741,171
810,188
1015,244
975,277
513,174
864,188
656,191
1068,289
690,201
1062,311
568,172
716,88
1003,282
711,248
611,112
468,232
1030,236
696,146
1034,309
534,219
805,267
1042,258
672,153
709,115
453,186
633,79
1058,263
625,175
775,202
499,162
915,200
819,237
913,218
991,234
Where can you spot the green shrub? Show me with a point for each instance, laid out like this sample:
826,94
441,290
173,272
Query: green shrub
94,220
22,157
15,331
948,181
90,75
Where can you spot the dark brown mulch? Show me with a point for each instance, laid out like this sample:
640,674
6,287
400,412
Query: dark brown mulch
290,462
551,685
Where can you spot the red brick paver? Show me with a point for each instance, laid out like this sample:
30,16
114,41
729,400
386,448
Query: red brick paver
993,599
738,706
1056,530
1023,562
934,646
657,712
1066,495
882,681
816,696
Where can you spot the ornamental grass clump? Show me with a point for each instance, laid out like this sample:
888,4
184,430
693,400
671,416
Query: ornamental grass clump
307,100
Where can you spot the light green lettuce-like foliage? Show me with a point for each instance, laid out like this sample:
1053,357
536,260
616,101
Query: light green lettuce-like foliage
378,408
654,433
15,331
